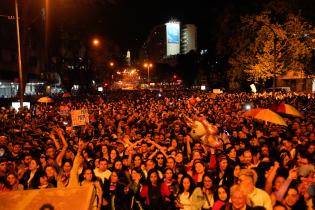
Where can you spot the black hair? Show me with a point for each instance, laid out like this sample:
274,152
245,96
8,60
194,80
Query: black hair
216,193
192,184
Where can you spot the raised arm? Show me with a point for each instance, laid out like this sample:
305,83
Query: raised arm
188,147
52,136
159,147
270,177
293,174
62,153
74,178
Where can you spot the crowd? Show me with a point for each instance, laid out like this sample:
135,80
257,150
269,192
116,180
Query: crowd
137,152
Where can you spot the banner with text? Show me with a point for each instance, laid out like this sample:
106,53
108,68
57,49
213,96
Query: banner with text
79,117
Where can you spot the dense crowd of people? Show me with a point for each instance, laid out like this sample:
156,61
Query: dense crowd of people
137,152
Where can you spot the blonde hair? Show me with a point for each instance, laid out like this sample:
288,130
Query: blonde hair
249,173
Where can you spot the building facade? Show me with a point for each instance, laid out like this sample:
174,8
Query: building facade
188,38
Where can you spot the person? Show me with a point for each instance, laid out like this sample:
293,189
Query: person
189,197
30,178
279,206
238,199
171,183
102,172
256,196
43,181
208,191
223,175
12,183
63,177
134,187
115,195
155,192
293,201
197,172
221,197
89,178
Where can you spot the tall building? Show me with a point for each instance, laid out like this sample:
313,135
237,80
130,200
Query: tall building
154,48
172,38
188,38
166,41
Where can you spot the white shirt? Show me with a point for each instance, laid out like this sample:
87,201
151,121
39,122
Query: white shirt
260,198
102,175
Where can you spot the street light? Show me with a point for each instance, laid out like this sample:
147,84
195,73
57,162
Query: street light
111,64
19,52
148,65
96,42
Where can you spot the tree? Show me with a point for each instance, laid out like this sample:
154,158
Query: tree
255,53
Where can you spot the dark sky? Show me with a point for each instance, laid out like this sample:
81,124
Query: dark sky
128,22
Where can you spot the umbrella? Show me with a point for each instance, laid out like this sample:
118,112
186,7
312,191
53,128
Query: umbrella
66,94
265,115
45,100
252,112
288,109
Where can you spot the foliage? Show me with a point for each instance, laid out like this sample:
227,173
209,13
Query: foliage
264,49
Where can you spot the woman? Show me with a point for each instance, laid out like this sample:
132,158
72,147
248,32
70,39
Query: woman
135,186
232,157
89,178
171,183
104,152
122,172
63,179
223,175
51,173
208,192
221,197
113,155
161,161
12,183
115,195
43,181
154,192
293,201
30,178
137,161
198,172
43,161
179,161
189,197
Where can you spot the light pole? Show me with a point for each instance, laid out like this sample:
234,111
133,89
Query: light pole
148,65
19,51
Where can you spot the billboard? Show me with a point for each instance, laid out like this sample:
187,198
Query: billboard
172,38
173,33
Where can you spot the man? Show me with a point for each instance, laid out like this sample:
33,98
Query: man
247,158
3,170
102,172
256,197
238,199
16,152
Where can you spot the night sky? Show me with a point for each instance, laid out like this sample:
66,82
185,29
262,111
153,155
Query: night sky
128,22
